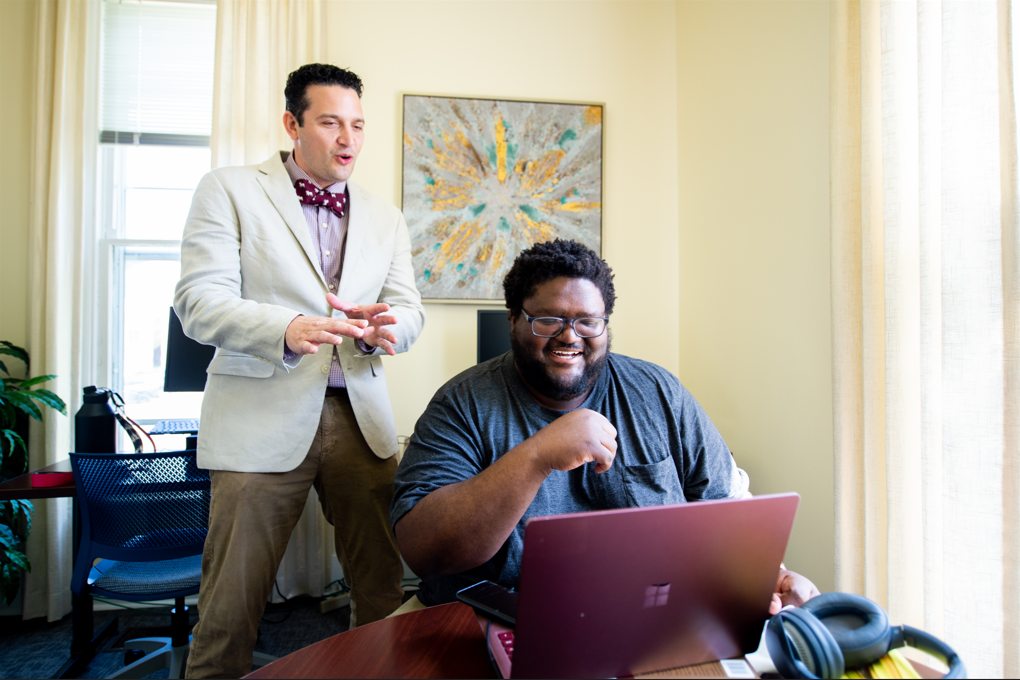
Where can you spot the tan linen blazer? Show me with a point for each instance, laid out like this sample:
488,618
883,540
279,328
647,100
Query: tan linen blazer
248,267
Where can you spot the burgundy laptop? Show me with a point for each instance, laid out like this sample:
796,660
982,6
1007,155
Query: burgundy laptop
624,592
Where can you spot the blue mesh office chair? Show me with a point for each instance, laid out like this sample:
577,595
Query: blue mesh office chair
145,515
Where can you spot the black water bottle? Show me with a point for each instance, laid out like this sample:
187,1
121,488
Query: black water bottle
95,425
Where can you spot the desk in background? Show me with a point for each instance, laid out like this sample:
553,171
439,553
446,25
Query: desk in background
20,488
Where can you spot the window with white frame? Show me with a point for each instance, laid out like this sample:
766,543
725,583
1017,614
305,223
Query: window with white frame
156,81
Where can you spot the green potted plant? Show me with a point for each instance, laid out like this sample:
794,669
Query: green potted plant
18,399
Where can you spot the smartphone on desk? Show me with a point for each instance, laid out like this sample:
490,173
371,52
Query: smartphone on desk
493,600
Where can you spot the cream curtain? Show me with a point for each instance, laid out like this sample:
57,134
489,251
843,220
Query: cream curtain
61,197
926,318
258,42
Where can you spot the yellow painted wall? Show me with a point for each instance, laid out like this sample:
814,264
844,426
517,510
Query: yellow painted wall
619,53
16,92
753,150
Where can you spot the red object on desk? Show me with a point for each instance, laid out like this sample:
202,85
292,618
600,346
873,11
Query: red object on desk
46,479
21,488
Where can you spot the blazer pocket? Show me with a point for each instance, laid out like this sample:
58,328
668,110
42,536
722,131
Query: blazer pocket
240,365
655,484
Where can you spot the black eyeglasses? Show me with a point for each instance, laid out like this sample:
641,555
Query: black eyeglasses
551,326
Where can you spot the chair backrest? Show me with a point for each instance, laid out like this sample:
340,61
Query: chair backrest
140,507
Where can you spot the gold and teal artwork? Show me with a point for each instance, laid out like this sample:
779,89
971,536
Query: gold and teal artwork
484,179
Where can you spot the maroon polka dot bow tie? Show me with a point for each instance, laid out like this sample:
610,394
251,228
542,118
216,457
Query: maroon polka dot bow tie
309,194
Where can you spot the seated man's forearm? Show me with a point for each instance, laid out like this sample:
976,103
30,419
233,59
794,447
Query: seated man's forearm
461,526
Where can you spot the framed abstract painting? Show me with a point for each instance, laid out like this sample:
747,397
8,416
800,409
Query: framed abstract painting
484,179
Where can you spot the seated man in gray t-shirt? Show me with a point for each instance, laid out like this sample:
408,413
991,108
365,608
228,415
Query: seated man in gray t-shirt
557,425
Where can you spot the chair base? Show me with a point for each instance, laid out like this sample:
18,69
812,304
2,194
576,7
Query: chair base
160,654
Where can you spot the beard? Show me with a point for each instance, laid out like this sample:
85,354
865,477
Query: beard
535,374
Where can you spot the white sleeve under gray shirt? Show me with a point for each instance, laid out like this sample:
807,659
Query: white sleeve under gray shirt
668,452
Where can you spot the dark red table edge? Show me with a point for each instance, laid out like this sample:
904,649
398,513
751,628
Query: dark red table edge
438,642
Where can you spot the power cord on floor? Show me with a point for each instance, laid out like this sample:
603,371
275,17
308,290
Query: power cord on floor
289,604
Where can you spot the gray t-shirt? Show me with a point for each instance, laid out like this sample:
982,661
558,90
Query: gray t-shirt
668,451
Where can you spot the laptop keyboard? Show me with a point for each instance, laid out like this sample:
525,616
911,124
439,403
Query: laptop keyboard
507,640
175,427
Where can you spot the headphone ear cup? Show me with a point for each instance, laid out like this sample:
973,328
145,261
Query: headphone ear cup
801,647
859,626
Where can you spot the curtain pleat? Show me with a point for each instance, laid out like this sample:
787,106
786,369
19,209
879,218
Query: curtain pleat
929,92
258,42
873,305
1010,206
847,369
900,227
928,455
65,34
972,327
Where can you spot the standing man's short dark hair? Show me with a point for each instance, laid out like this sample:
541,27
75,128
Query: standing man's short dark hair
296,92
278,261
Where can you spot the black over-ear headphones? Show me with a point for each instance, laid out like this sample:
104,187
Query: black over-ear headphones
836,631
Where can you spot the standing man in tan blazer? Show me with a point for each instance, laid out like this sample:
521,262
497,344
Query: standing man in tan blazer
280,262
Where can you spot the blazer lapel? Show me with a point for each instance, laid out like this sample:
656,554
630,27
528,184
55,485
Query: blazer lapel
357,224
276,182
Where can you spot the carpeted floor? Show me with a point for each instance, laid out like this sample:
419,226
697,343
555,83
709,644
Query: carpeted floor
37,649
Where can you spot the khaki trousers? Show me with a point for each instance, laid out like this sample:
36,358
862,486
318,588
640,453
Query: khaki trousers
251,517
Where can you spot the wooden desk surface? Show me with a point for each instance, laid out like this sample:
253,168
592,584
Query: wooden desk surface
438,642
20,488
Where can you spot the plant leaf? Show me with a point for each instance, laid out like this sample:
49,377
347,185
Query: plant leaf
27,509
18,558
25,404
7,413
14,351
50,399
7,539
4,368
14,439
36,380
10,583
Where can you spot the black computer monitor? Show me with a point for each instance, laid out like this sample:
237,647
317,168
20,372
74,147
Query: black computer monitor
186,360
493,333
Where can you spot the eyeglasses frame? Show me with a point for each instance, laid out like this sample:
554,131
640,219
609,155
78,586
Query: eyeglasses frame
530,319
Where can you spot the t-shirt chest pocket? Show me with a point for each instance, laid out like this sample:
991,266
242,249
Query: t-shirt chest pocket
654,484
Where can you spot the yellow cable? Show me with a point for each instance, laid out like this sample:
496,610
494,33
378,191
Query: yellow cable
892,665
906,668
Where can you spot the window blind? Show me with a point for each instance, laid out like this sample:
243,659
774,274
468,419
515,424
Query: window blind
157,72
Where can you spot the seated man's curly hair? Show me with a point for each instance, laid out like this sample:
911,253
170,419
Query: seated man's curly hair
546,261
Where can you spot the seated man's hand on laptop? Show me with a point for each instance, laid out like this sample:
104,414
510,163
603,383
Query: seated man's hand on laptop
791,588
